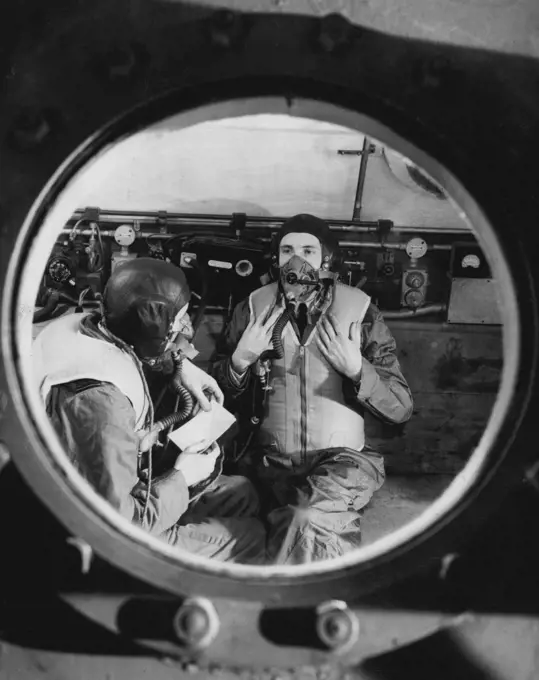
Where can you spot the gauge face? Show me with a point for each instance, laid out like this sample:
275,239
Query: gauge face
124,235
59,271
471,260
415,280
414,298
416,248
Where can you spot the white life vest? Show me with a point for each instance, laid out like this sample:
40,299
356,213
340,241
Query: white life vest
61,353
306,410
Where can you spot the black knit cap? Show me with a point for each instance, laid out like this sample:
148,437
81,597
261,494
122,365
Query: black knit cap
142,298
309,224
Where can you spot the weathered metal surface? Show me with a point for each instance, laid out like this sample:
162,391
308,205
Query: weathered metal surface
473,301
454,374
453,94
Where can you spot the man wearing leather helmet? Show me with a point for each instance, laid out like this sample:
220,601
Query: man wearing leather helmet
92,371
336,359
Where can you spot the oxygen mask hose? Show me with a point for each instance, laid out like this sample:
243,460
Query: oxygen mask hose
180,415
276,336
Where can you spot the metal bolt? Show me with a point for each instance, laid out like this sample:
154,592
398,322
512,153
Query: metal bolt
196,623
30,129
335,34
4,455
433,72
336,625
85,551
121,63
226,29
447,564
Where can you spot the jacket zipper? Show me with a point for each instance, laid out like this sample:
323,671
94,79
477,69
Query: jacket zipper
303,419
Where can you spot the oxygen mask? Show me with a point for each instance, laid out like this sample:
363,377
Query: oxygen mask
299,279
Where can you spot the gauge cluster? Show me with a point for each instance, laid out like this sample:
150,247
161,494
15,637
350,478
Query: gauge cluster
225,258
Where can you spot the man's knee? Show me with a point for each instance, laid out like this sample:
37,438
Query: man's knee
301,517
316,519
234,496
308,534
240,540
244,493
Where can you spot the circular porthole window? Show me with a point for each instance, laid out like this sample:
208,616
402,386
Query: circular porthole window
126,154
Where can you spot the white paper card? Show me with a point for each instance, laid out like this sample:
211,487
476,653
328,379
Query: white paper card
206,425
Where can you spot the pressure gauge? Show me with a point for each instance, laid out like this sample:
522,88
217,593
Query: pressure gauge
59,270
414,298
416,248
470,260
415,279
124,235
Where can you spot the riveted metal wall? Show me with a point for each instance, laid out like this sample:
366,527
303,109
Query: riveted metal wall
77,65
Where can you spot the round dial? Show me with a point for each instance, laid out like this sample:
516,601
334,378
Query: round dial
415,280
59,271
416,248
124,235
471,260
414,298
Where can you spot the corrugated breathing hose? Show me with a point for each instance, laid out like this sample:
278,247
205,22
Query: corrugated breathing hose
184,396
276,338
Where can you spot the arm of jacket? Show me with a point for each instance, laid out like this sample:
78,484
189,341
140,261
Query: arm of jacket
381,388
97,427
230,382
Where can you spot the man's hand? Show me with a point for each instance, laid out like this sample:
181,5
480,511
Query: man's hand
342,351
198,382
196,466
256,339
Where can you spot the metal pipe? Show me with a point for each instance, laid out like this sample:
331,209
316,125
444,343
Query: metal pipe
342,244
412,313
358,201
390,246
254,222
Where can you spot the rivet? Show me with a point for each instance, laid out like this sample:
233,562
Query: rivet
336,625
335,34
196,623
122,63
433,72
226,29
85,551
446,565
30,129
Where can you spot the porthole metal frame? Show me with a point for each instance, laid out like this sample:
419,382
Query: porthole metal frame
348,578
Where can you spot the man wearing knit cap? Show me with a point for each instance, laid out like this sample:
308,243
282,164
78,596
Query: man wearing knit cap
93,373
335,360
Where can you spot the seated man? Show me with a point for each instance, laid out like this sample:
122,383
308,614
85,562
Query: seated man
309,457
91,371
